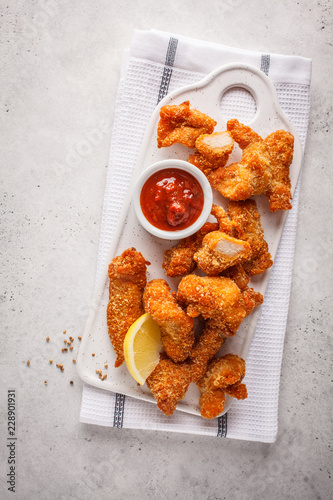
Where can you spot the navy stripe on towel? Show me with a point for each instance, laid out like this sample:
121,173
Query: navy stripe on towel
167,71
118,415
222,426
265,63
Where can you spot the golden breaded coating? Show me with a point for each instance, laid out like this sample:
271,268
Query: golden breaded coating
127,279
178,260
205,348
242,134
177,330
239,181
169,382
247,226
237,391
220,251
215,147
206,166
223,220
263,168
251,299
181,124
213,297
223,375
280,145
237,274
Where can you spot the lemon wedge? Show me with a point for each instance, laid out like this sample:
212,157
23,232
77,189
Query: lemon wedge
142,347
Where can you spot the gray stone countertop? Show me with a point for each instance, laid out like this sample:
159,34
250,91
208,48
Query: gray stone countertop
61,62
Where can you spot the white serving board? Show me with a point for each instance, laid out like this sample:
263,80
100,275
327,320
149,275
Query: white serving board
206,97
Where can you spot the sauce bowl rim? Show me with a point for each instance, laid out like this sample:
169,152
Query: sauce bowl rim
180,165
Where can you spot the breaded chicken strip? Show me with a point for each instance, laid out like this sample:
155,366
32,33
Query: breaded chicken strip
223,376
127,275
178,260
181,124
220,250
177,330
246,223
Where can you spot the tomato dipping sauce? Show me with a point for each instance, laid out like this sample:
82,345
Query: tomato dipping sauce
171,199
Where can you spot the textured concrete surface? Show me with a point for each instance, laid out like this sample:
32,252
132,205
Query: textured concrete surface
60,69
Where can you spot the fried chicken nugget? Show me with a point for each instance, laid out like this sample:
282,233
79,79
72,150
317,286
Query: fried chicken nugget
178,260
127,279
247,226
169,382
177,330
234,181
263,169
213,297
207,166
215,147
181,124
223,375
220,250
218,299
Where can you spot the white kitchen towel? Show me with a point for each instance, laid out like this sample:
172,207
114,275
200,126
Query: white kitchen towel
157,63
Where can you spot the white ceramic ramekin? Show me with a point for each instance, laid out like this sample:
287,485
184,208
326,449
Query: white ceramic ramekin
207,192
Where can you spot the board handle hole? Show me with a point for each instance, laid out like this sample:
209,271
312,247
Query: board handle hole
237,102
